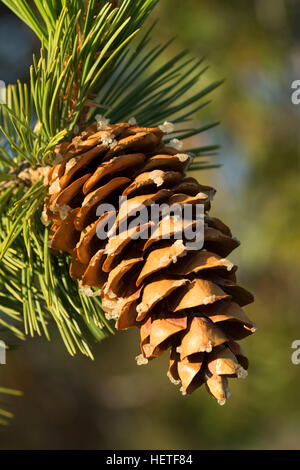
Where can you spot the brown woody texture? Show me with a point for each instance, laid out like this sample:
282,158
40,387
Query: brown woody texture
183,300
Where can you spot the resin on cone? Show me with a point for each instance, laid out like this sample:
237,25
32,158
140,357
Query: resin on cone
184,301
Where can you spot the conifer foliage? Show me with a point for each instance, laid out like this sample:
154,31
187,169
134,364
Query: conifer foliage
64,135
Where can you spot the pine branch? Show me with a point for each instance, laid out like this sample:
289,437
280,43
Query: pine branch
63,83
88,61
81,45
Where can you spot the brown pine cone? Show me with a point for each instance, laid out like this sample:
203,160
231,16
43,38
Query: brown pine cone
182,299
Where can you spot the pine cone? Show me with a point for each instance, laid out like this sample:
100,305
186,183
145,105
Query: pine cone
181,299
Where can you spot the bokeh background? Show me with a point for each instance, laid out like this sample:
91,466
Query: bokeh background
111,403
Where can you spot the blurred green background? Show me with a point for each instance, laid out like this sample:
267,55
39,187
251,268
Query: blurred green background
112,404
